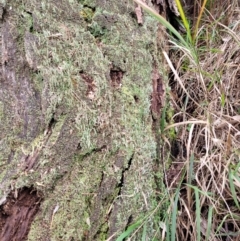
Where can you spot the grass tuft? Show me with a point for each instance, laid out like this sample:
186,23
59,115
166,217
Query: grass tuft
204,88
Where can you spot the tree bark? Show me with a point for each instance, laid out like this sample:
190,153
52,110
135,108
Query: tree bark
80,98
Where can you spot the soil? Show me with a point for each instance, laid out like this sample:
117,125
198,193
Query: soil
17,214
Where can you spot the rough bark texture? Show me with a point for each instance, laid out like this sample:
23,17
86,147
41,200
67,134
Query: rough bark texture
76,127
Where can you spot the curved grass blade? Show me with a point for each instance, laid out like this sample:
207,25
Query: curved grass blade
174,216
163,21
232,188
129,230
209,223
184,19
144,234
198,20
198,216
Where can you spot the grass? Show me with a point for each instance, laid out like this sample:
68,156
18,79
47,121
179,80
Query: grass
163,21
205,84
129,230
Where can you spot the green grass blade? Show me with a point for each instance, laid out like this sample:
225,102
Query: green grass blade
198,20
190,176
221,224
144,234
209,223
129,230
184,19
223,99
236,177
236,168
167,229
162,20
198,216
174,216
232,188
207,194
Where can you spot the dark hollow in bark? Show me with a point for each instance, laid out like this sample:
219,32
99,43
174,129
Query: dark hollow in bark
17,214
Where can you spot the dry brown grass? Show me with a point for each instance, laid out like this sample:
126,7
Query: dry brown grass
206,99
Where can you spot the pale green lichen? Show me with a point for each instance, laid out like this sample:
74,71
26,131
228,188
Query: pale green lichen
112,123
1,111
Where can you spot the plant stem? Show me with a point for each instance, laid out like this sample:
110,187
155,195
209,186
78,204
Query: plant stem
198,20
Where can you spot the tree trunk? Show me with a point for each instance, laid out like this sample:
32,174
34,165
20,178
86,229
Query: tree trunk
80,98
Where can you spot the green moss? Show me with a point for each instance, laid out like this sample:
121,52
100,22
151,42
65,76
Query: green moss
171,132
87,13
90,135
103,232
1,110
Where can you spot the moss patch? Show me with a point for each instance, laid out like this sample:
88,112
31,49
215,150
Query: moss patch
95,148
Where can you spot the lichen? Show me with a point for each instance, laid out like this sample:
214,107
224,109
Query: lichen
84,133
